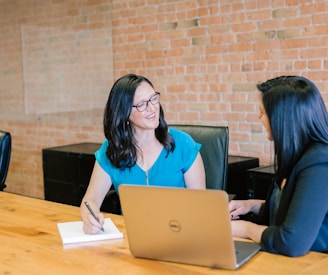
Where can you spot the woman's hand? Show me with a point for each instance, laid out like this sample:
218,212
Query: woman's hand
239,229
242,207
91,225
247,230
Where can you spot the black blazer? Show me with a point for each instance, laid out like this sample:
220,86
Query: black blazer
302,216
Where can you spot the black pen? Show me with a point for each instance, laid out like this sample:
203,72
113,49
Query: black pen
92,213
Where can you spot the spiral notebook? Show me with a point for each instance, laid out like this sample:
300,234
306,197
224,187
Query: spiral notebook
72,232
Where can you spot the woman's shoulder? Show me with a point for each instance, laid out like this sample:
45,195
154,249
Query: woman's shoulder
178,134
317,153
103,146
317,148
183,140
100,154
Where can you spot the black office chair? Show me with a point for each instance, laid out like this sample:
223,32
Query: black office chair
214,151
5,151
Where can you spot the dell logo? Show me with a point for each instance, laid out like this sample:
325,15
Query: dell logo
175,226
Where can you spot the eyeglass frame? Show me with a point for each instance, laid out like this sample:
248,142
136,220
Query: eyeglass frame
146,102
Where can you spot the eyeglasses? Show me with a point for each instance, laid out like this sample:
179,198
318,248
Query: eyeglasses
143,105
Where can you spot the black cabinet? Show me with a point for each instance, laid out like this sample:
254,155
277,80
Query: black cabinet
237,181
67,171
260,181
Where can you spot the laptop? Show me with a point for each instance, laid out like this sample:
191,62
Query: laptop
182,225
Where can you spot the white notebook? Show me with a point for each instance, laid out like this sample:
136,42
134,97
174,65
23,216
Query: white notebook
72,232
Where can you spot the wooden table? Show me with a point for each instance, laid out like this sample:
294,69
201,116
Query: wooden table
30,244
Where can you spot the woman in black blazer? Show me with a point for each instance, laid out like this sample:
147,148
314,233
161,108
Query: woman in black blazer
295,214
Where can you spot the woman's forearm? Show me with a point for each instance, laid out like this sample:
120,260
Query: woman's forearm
254,231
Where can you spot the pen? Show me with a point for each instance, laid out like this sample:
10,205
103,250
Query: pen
92,213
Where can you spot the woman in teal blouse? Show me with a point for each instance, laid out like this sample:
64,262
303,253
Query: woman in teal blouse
139,148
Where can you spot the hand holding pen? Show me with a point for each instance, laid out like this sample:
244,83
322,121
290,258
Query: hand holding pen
93,213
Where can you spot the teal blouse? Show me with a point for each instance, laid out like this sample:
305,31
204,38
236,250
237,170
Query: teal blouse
168,170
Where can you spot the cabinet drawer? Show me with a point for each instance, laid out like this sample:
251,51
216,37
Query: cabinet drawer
60,191
60,166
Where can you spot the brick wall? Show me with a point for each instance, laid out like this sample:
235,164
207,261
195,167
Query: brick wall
205,58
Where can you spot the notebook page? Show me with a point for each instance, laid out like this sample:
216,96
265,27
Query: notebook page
72,232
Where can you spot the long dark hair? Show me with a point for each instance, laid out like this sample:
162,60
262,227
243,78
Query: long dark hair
122,148
297,116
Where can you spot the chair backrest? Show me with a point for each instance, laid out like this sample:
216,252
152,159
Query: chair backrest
5,151
214,151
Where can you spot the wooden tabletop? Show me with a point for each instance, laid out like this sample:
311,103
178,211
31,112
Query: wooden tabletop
30,244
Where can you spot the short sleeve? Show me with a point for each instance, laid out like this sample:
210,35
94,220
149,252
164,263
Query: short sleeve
101,156
185,147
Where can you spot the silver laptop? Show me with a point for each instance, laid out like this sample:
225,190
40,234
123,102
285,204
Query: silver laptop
182,225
